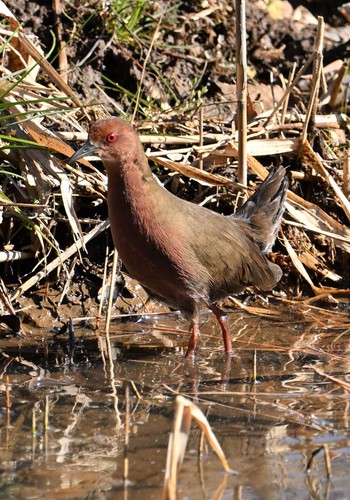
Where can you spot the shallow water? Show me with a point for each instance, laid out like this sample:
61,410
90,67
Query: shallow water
63,435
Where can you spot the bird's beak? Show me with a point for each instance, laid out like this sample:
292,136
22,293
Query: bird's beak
87,149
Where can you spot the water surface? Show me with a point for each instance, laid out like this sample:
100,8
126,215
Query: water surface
271,407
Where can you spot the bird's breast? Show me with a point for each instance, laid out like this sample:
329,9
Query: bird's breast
150,242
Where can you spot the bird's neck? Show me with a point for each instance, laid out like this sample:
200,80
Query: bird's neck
134,195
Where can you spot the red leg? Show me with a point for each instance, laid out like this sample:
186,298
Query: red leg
193,342
222,319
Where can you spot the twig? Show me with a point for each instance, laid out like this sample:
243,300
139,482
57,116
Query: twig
4,298
60,259
286,101
155,34
290,88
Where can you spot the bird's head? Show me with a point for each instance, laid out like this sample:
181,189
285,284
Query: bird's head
112,139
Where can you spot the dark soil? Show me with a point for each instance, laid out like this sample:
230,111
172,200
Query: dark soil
203,53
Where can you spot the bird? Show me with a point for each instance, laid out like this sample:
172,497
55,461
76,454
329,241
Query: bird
183,254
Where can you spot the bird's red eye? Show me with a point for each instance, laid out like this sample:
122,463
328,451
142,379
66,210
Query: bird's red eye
112,137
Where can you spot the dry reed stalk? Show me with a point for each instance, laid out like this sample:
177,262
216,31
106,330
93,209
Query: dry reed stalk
126,436
320,291
185,411
340,383
38,57
103,289
346,173
46,422
241,77
62,55
8,398
327,459
33,422
111,292
200,144
316,77
201,176
336,86
312,160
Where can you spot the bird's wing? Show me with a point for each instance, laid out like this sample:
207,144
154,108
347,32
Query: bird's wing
232,259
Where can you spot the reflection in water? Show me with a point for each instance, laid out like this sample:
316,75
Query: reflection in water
63,433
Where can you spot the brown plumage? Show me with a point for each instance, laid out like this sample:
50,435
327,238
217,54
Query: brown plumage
183,254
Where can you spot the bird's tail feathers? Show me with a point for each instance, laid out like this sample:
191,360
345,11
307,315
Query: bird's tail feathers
264,209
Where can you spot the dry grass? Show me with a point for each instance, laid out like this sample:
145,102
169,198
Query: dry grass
39,190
